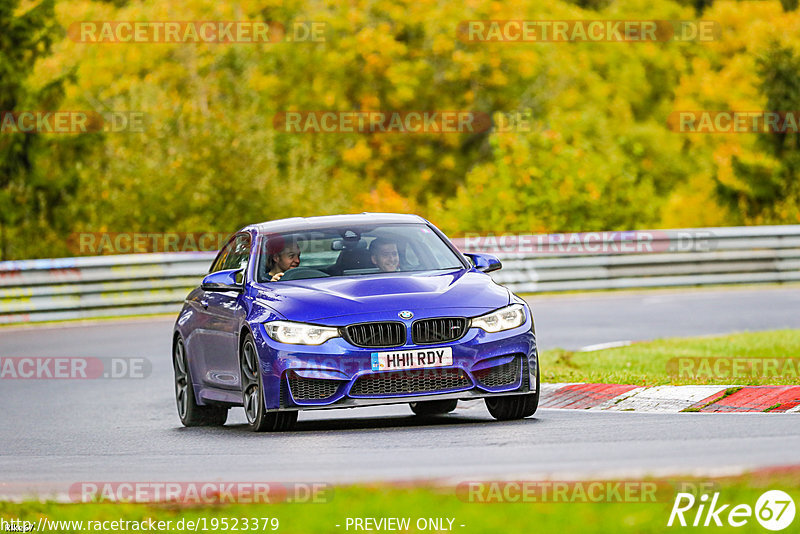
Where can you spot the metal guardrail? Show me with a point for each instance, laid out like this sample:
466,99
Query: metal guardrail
133,284
101,286
692,257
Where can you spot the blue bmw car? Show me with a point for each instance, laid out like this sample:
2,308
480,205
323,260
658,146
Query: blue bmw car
345,311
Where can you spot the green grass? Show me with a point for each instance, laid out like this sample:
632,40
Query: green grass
646,363
436,502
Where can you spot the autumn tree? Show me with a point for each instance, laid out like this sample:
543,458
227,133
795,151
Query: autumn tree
769,190
36,180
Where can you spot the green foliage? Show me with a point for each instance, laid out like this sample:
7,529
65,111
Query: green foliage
770,179
36,181
598,154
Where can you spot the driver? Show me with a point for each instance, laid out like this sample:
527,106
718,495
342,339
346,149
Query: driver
282,257
383,253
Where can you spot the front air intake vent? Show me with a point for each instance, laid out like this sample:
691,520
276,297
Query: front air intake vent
376,335
438,330
409,382
500,375
308,389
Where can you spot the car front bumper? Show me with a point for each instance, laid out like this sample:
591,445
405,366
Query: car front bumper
339,375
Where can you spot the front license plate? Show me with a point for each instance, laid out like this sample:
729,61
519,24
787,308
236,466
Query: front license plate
412,359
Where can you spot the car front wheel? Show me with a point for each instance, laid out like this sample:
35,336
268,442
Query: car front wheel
514,406
258,418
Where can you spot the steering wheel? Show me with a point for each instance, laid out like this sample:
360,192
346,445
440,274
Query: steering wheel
302,273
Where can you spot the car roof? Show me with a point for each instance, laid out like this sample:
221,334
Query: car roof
327,221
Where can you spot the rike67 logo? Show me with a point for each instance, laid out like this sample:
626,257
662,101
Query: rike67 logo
774,510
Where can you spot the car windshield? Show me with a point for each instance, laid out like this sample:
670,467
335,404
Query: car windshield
356,250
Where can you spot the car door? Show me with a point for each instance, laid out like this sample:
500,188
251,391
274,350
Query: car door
221,313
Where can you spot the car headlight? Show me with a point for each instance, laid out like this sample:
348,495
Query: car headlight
299,333
502,319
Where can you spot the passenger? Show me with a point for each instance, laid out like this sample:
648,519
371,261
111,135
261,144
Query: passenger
384,255
282,257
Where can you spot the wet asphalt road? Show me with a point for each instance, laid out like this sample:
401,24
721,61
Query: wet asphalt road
58,432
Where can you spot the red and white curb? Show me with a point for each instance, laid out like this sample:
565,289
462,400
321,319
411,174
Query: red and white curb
671,399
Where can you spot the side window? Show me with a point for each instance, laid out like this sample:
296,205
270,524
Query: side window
240,254
225,253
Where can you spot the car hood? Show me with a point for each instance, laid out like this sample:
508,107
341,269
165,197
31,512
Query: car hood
322,298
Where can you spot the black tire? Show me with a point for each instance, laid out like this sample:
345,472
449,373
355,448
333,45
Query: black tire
190,413
512,407
436,407
258,418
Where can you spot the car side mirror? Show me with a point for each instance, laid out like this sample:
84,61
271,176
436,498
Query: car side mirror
225,280
485,262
